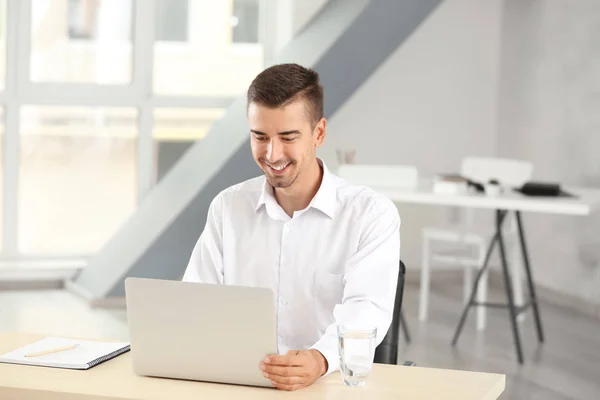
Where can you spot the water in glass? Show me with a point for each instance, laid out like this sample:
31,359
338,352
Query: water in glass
356,350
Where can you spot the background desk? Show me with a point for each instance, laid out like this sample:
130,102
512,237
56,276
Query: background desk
585,200
114,379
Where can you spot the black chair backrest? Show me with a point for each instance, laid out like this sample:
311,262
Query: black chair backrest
387,351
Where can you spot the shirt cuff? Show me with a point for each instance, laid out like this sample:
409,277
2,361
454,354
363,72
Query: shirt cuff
328,347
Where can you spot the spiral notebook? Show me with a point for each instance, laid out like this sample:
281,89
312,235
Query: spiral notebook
65,353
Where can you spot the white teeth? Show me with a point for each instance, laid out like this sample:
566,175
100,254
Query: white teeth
279,168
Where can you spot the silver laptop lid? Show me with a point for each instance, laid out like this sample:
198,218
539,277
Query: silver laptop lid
215,333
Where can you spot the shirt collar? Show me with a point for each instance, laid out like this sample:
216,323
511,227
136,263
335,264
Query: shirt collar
266,195
324,200
326,197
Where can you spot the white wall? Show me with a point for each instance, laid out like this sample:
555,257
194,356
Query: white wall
549,113
432,103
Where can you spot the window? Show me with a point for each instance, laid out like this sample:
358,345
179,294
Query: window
244,21
87,139
87,18
2,43
77,176
171,20
210,63
2,133
81,18
85,41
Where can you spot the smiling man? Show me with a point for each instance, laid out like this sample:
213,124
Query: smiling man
328,249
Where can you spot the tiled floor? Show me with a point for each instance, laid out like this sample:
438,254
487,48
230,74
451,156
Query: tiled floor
567,366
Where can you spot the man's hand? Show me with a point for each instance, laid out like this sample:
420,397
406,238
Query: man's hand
294,370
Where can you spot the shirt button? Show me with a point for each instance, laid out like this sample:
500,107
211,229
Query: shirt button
284,302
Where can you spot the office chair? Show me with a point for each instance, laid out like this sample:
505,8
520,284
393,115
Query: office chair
387,351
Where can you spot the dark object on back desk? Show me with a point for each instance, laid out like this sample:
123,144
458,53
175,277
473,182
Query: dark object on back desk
543,189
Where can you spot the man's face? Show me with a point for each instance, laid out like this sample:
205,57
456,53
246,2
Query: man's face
283,141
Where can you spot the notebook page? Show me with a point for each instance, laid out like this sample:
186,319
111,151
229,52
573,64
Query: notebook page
77,358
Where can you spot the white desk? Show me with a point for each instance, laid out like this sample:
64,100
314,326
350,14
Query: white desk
586,200
582,204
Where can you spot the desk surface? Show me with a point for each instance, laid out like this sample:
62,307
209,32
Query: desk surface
114,379
586,200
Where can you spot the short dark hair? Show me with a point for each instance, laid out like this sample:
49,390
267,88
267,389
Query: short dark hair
282,84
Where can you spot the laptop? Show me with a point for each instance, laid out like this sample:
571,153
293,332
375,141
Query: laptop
197,331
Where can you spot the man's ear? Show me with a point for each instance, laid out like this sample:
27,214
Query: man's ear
320,132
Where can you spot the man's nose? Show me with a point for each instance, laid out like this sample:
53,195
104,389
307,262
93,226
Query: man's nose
274,151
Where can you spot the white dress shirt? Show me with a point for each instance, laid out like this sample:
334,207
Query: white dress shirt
335,262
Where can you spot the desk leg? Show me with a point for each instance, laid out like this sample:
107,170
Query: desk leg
512,309
533,298
469,303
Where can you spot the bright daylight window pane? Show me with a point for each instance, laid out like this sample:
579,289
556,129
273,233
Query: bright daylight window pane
1,176
175,130
81,41
206,47
2,44
77,177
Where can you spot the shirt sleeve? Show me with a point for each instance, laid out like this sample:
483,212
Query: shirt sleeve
206,262
370,280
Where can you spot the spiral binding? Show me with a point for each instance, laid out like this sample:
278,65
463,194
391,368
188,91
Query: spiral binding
115,353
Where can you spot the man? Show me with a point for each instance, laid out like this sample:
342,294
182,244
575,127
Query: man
328,249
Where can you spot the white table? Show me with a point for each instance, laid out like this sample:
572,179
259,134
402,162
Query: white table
582,204
585,201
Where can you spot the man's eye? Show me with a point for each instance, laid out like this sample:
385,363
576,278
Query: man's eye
287,139
260,138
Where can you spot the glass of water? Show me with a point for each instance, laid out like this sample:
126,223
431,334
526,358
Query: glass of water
357,349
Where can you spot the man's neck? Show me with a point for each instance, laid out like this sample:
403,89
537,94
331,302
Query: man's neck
300,195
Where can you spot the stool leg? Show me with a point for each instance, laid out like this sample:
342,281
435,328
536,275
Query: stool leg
467,282
482,289
482,298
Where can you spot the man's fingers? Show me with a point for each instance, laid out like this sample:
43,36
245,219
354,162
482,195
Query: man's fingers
283,386
283,371
286,380
290,359
294,370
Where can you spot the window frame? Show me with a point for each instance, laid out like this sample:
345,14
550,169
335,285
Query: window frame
21,90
